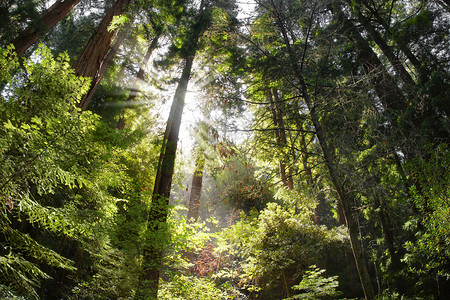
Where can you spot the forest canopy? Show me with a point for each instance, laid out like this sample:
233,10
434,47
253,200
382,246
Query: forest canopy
221,149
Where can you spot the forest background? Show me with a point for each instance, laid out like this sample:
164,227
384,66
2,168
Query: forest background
313,161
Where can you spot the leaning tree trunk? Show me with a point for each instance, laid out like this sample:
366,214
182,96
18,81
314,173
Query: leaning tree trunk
386,49
157,217
48,19
322,212
384,85
106,63
346,197
400,42
393,99
90,61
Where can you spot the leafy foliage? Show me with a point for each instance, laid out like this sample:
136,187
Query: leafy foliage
315,286
261,249
60,182
75,191
38,117
188,287
430,252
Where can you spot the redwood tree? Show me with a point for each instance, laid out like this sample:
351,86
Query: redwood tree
47,20
158,213
91,59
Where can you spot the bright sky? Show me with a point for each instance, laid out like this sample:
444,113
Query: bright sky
192,114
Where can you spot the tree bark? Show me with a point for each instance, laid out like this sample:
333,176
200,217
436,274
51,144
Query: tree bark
157,217
322,212
105,65
401,44
346,198
194,198
277,115
388,92
196,189
91,59
158,213
48,19
386,49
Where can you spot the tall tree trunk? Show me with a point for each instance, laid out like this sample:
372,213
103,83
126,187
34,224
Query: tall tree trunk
392,98
386,49
106,63
157,217
380,84
388,92
91,59
48,19
346,197
277,115
429,111
322,212
196,192
140,75
400,42
196,189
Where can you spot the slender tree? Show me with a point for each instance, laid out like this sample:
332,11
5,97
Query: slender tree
280,133
346,196
385,48
157,216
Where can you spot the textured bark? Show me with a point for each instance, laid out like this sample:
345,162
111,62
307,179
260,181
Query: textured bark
386,49
346,198
196,190
388,92
105,65
91,59
194,199
157,217
48,19
277,115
